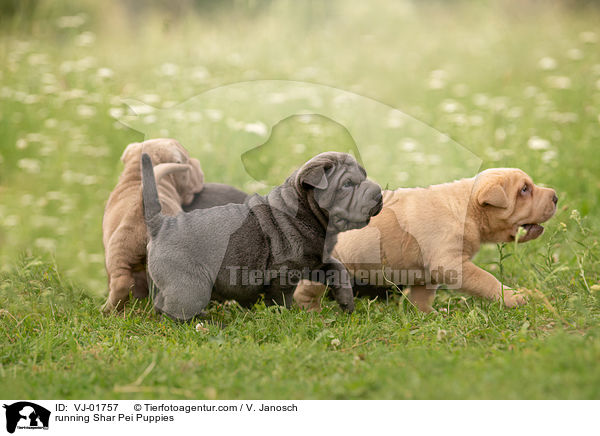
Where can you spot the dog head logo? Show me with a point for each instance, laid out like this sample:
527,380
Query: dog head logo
26,415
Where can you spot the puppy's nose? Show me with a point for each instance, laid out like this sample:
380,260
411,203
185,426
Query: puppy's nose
554,199
378,197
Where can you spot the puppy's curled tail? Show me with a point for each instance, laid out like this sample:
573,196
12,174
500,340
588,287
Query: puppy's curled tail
152,207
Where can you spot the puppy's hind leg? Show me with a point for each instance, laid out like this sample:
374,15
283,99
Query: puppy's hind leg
308,295
121,282
141,284
123,258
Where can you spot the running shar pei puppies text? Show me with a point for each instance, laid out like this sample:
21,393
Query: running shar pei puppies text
123,227
426,237
239,251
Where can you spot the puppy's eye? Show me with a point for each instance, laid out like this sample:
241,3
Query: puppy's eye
348,184
525,189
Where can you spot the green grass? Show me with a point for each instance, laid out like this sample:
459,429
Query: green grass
492,76
58,345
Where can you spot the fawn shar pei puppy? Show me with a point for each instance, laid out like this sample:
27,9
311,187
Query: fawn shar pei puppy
124,231
426,237
239,251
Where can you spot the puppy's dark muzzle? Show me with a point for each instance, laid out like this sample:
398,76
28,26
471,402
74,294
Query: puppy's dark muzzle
377,208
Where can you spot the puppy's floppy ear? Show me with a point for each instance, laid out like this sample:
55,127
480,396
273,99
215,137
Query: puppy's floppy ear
313,174
493,194
196,175
130,150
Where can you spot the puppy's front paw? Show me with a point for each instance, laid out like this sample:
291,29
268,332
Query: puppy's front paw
513,297
345,299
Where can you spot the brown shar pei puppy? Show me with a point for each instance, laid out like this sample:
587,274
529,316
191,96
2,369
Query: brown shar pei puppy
124,231
426,237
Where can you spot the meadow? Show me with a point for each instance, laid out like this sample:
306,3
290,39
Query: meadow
496,83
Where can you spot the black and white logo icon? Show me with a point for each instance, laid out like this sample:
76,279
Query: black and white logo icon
26,415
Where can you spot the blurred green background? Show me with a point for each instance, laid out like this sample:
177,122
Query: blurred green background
515,83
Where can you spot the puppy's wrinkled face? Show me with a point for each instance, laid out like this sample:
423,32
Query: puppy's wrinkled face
161,150
189,182
509,200
341,189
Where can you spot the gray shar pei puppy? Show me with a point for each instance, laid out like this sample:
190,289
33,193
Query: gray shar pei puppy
240,251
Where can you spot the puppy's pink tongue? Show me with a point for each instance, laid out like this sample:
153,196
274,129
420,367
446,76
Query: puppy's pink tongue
533,231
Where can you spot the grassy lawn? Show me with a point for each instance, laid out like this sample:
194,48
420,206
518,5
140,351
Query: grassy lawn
515,86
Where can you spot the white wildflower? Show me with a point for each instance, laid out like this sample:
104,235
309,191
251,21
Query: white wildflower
48,78
409,145
85,111
401,176
564,117
559,82
254,186
436,83
89,180
588,37
575,54
299,148
547,63
141,109
46,244
11,221
50,123
116,112
395,119
151,98
458,119
169,69
85,39
35,59
537,143
104,73
475,120
150,119
31,166
71,21
548,156
96,258
515,112
199,74
73,94
530,91
499,103
258,128
49,89
450,106
480,99
437,79
575,215
214,114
